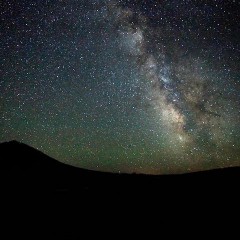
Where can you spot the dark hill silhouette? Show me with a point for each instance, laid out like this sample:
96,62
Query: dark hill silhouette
58,201
27,169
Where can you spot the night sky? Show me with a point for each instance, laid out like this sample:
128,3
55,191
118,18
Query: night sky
123,86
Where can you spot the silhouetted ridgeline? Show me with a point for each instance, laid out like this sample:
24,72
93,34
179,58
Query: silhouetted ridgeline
24,168
70,199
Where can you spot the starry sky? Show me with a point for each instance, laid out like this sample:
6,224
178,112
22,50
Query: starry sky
123,86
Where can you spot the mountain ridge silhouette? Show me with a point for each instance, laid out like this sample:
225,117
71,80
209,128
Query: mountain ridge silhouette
29,169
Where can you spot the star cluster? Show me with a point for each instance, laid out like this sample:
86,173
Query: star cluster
123,86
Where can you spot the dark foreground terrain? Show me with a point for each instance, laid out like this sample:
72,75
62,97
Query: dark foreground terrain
26,169
42,198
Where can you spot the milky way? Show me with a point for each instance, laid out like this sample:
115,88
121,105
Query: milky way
123,86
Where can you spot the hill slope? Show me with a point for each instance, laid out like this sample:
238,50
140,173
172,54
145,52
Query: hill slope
27,169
